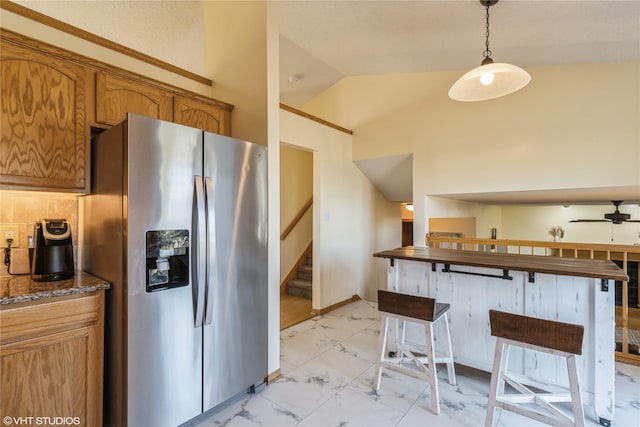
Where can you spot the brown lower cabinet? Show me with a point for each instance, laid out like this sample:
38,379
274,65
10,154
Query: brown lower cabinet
51,359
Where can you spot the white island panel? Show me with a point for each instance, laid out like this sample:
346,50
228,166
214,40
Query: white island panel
578,300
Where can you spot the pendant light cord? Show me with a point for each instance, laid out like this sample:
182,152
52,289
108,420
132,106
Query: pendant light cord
487,52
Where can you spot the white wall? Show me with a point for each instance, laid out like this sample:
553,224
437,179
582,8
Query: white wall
534,223
573,126
136,21
121,23
273,142
351,220
236,60
531,222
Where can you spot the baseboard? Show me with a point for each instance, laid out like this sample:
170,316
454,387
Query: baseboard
332,307
272,377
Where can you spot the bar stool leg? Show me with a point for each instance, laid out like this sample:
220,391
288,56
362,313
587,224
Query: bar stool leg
497,379
382,348
401,326
574,387
433,373
451,372
533,393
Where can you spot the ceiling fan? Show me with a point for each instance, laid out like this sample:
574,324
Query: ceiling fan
615,217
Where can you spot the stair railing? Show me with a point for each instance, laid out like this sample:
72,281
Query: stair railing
297,219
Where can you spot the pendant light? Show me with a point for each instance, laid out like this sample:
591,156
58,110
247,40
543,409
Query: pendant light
489,80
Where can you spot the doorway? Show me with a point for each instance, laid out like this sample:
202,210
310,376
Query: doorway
296,235
407,224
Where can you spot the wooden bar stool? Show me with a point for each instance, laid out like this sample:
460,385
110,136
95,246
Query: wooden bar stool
425,311
547,336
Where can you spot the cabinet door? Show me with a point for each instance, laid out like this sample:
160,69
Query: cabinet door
44,142
57,376
117,96
201,114
51,360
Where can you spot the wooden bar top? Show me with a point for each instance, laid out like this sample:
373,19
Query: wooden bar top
596,268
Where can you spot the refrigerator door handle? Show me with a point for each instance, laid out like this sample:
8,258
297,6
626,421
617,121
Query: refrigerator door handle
211,249
199,261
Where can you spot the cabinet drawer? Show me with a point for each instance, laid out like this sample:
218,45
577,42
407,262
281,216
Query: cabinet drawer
34,320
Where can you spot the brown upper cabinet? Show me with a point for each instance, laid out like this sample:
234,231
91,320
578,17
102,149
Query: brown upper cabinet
50,99
202,114
44,138
116,96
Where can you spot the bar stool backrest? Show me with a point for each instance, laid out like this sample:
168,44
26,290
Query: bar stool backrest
559,336
407,305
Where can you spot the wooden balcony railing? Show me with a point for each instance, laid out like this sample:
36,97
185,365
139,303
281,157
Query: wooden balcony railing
626,256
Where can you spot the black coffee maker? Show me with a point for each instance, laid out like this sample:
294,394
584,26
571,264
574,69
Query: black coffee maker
52,257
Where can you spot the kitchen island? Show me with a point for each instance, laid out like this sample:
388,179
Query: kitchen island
564,289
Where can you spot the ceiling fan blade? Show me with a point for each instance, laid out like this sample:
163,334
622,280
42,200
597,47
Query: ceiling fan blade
590,220
633,220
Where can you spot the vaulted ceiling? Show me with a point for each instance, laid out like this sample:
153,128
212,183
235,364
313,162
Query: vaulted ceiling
324,41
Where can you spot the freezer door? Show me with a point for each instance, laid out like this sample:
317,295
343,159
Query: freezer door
164,347
235,331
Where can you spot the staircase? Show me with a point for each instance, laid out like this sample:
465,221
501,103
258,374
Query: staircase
300,286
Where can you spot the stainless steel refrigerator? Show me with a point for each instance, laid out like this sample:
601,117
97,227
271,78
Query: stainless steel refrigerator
177,222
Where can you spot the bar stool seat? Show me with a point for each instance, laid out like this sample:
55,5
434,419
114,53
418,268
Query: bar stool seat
532,397
411,359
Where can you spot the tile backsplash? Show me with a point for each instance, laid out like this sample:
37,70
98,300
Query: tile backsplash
19,210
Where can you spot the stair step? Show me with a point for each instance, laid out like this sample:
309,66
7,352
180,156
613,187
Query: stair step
304,272
299,288
309,259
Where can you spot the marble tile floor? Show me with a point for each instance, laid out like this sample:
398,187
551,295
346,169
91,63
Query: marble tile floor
327,365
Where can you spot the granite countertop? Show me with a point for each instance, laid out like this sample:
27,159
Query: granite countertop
596,268
14,289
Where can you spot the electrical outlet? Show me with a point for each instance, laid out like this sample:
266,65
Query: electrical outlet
9,231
